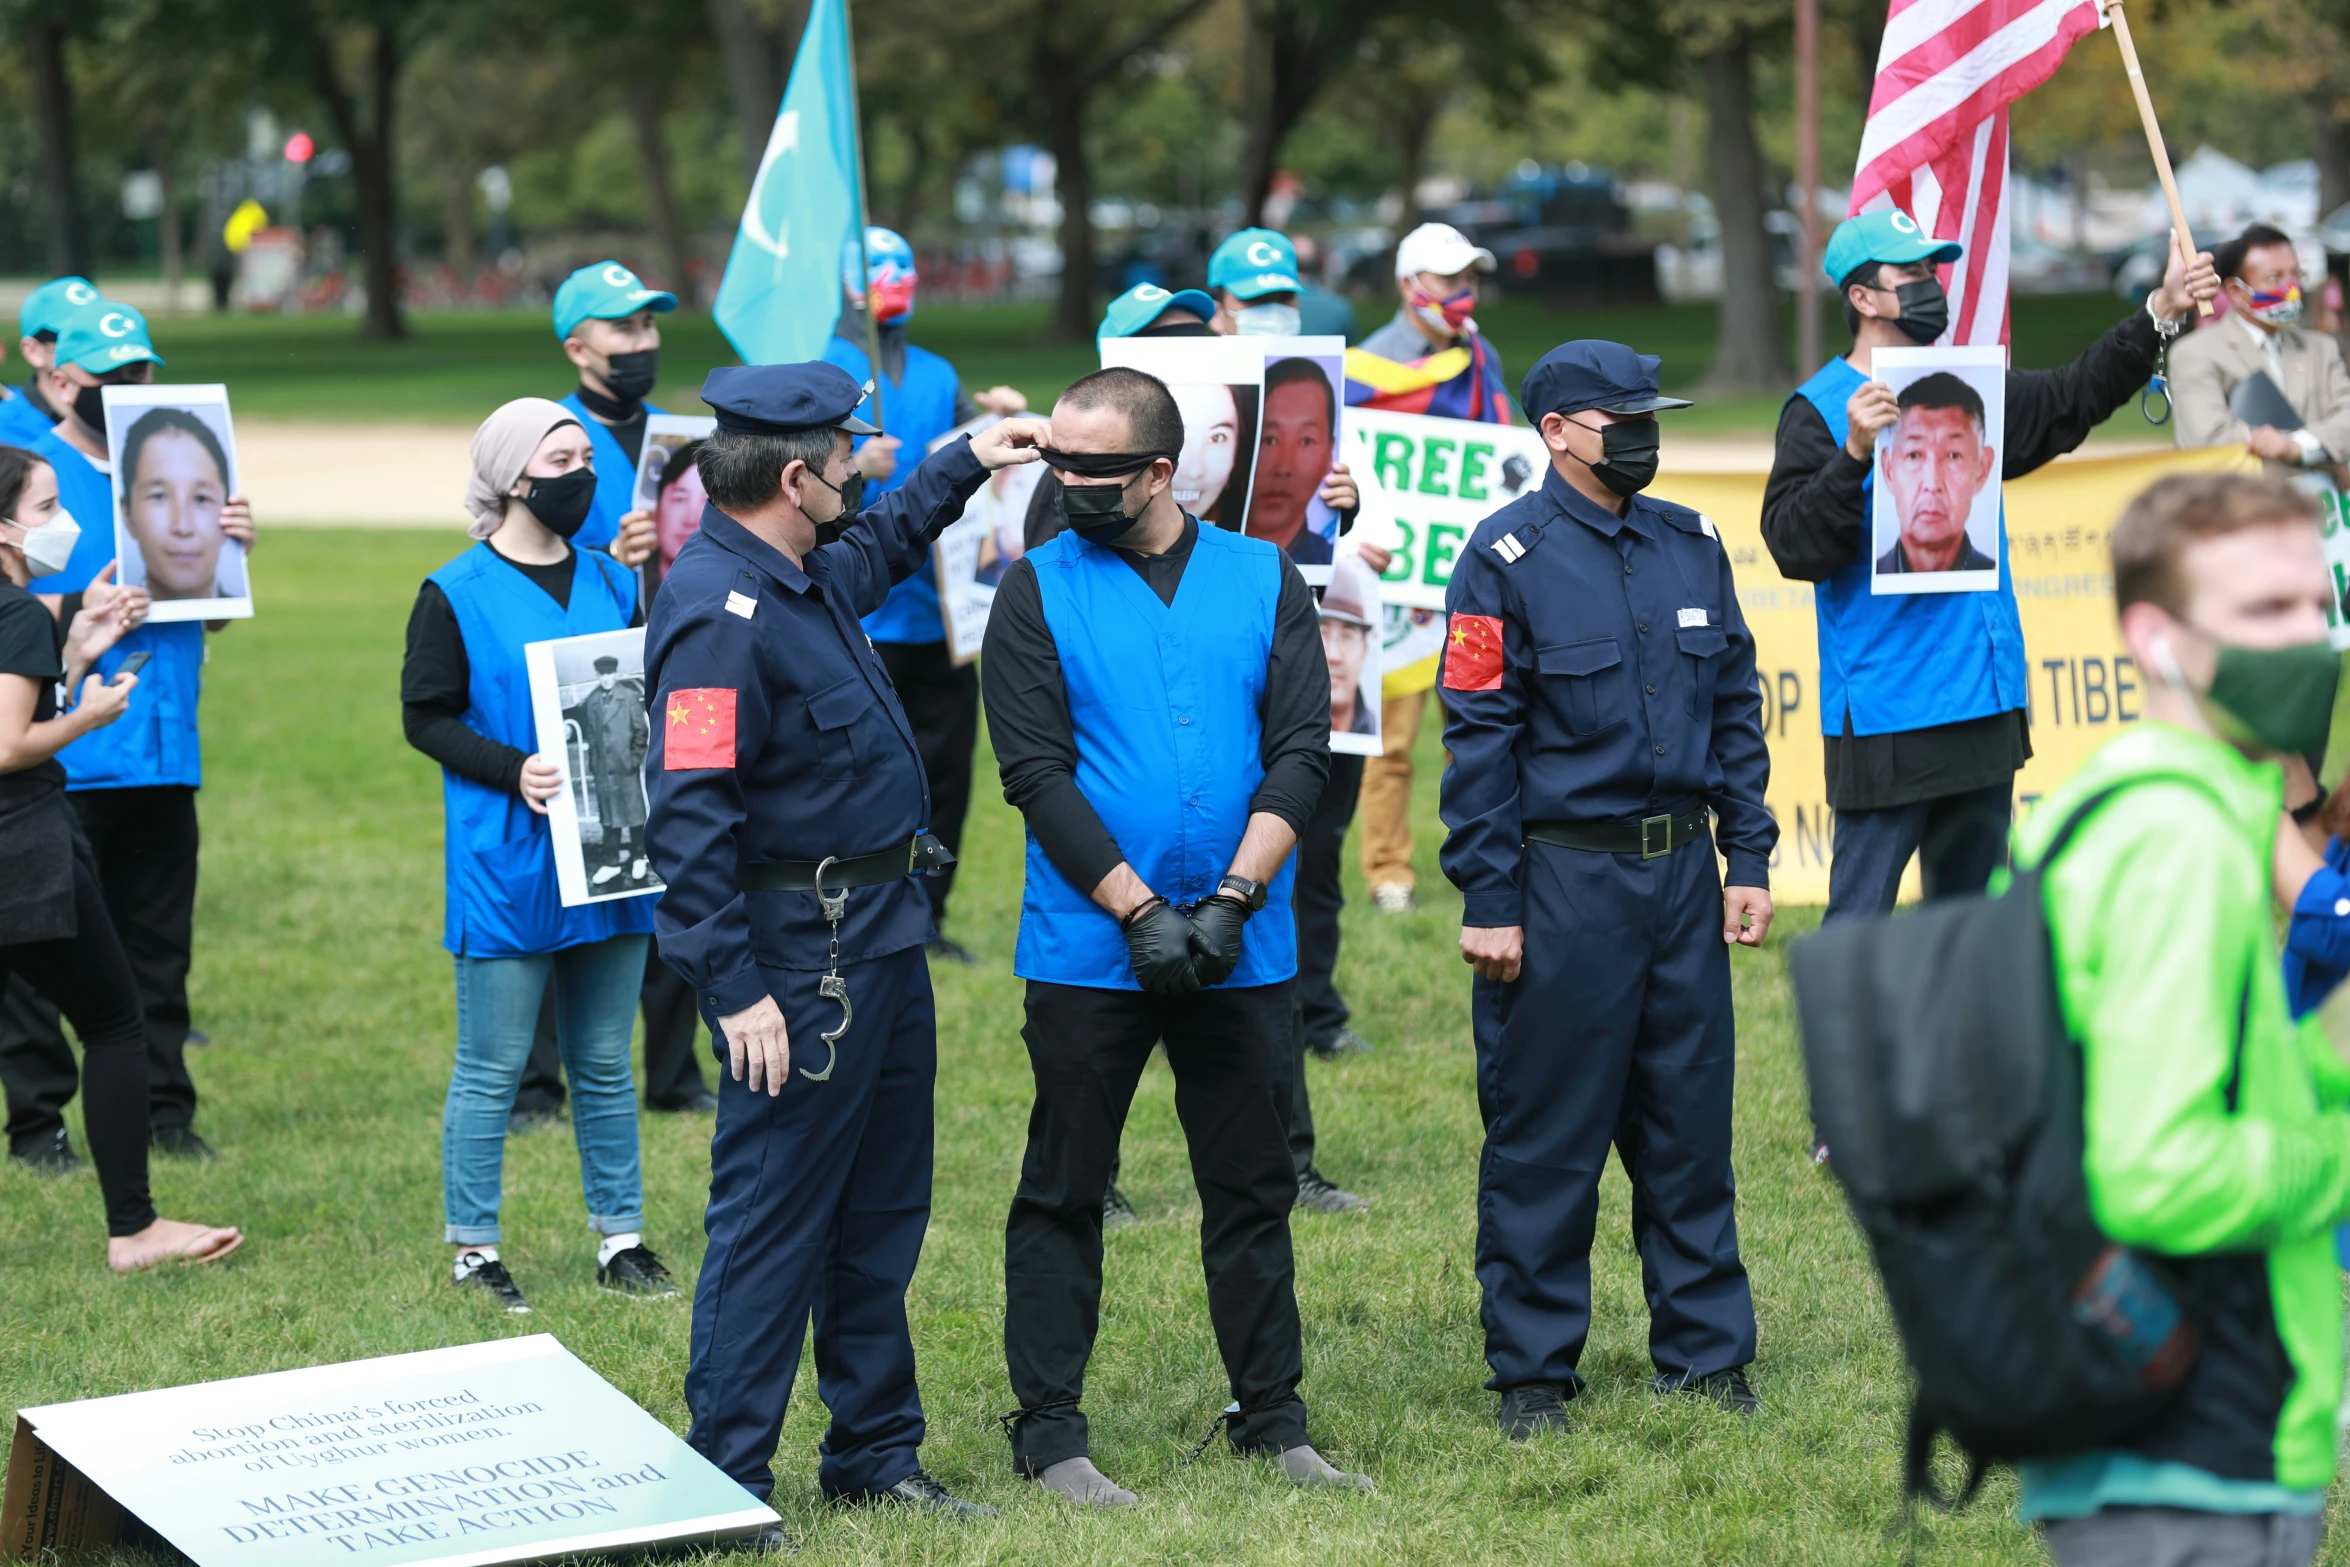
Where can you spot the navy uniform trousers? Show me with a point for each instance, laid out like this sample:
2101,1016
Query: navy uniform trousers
818,1202
1618,1030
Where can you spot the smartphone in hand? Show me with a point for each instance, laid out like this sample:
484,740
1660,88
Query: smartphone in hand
132,663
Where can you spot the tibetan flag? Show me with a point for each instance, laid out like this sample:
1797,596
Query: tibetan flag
700,730
1472,654
1457,383
781,294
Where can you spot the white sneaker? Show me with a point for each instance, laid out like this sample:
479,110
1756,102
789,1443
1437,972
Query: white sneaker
603,876
1392,897
636,869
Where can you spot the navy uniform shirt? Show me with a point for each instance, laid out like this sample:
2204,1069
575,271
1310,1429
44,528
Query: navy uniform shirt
1624,687
822,762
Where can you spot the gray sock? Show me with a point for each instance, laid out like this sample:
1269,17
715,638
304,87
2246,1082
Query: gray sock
1079,1481
1308,1468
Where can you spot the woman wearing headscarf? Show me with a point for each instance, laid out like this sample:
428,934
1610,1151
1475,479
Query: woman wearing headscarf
465,695
54,928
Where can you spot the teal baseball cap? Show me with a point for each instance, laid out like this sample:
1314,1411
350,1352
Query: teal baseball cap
1887,234
105,336
602,291
1253,263
46,307
1144,303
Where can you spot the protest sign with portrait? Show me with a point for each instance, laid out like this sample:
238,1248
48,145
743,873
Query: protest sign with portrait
1351,645
587,700
1426,483
1218,384
671,490
175,469
1300,433
969,556
1934,510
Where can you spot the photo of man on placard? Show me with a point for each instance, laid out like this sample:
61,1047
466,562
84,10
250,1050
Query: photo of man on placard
1297,444
1936,507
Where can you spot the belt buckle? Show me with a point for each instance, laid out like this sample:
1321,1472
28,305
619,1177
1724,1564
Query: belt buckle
1656,837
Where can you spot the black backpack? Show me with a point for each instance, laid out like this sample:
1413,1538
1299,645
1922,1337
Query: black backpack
1948,1090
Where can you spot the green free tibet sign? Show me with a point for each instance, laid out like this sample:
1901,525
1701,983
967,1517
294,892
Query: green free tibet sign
1426,484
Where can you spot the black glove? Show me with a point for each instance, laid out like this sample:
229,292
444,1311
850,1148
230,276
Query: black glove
1158,944
1215,937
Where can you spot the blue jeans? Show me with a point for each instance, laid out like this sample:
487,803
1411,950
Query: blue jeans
497,1010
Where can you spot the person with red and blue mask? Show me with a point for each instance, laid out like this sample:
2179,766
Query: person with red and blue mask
919,399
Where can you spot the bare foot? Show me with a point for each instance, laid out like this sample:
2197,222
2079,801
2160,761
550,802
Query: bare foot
168,1240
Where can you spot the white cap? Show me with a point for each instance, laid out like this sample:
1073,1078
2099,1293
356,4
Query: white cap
1439,248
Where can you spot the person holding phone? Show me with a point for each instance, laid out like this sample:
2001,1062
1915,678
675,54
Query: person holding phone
465,698
54,929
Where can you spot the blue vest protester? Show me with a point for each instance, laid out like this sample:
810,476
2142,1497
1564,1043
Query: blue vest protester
21,423
1897,662
155,740
615,478
1164,700
917,410
502,896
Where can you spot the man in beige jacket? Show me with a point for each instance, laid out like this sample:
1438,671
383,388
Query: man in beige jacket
2262,278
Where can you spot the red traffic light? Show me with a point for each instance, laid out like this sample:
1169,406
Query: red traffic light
299,147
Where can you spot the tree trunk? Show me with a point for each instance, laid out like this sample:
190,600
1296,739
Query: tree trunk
167,221
677,249
1065,104
2333,152
457,238
1415,121
758,61
371,173
1749,356
68,240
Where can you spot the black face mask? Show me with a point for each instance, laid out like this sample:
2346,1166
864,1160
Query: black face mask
1925,310
1627,454
1096,512
562,502
1179,329
89,406
632,375
852,501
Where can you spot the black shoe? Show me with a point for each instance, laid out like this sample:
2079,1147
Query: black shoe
199,1038
919,1490
1726,1388
181,1142
531,1120
1533,1409
770,1540
1346,1042
945,949
1315,1191
637,1272
700,1102
492,1279
51,1155
1117,1212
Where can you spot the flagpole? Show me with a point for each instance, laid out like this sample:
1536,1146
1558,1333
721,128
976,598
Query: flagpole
864,213
2112,10
1807,176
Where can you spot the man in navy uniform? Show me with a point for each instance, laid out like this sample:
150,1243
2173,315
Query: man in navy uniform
1600,702
780,758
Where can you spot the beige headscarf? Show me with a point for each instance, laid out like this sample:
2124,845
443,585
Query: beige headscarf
501,450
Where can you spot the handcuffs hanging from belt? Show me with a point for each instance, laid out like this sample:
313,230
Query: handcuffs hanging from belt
923,856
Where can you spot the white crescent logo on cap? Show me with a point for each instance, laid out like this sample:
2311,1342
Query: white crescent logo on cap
115,324
1150,293
1904,222
620,277
1261,254
80,294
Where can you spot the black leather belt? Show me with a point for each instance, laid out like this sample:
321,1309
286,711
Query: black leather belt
1651,837
917,857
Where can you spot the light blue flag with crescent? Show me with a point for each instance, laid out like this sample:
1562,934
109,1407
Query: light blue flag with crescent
781,295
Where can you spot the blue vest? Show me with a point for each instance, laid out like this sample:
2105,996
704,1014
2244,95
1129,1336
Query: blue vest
917,411
1163,699
154,741
615,479
1906,661
503,899
21,423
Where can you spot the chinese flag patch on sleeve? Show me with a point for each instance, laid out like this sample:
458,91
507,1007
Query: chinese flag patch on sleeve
1472,653
700,731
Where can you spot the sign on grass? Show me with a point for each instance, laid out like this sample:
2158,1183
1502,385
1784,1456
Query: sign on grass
509,1451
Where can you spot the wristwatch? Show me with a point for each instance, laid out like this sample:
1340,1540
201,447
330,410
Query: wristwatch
1249,892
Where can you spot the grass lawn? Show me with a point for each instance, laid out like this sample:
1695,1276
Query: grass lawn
456,367
321,980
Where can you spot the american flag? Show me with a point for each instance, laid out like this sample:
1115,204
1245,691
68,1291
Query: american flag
1936,140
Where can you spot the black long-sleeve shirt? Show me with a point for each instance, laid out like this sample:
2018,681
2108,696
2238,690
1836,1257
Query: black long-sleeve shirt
1036,744
436,681
1815,522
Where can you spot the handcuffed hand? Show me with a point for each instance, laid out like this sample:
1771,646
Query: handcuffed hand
1158,944
1215,937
